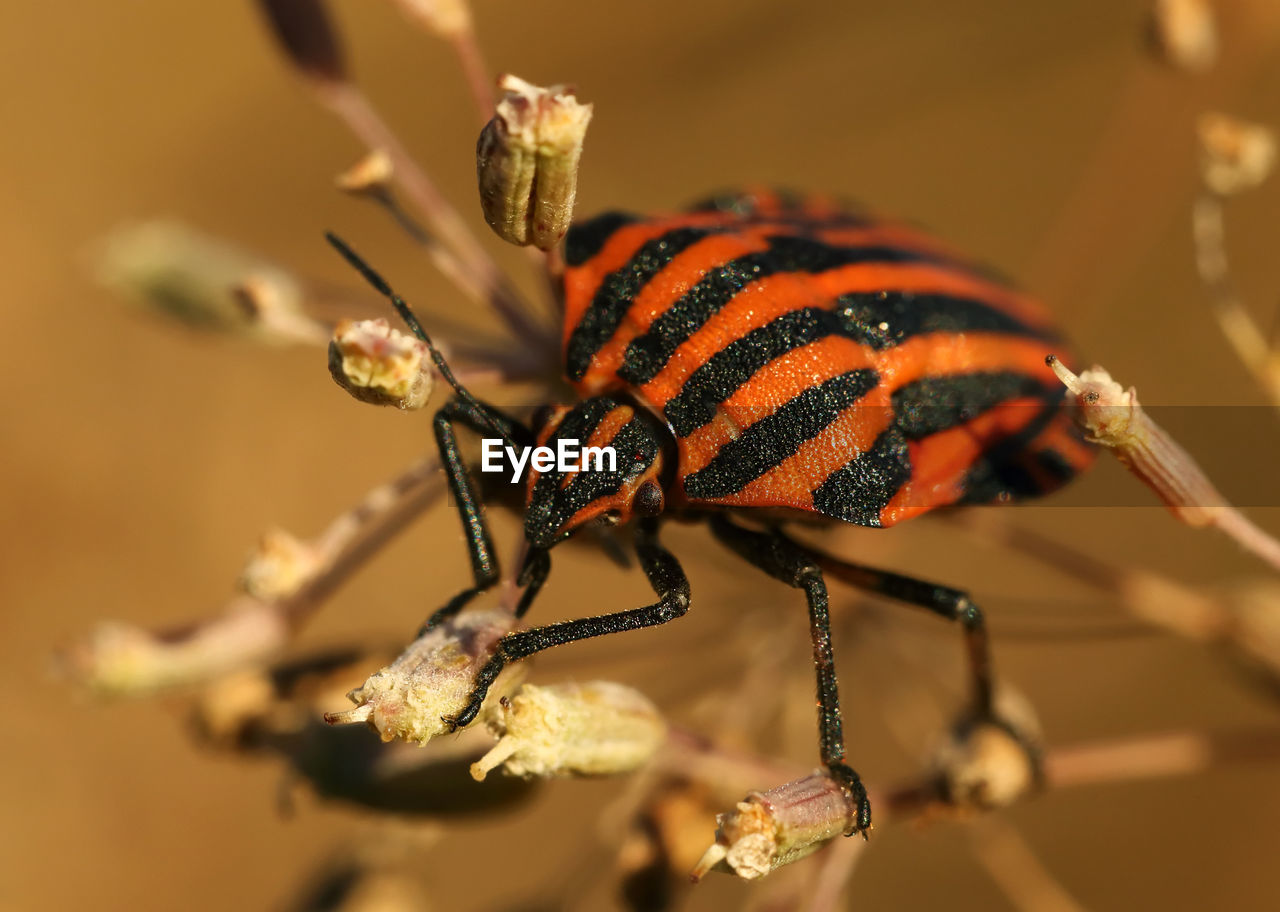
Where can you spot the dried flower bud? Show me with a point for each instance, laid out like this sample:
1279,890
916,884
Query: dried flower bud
1112,417
444,17
527,162
305,34
1255,627
120,660
774,828
275,313
1235,155
279,566
432,679
204,282
231,706
370,175
1185,34
381,365
592,729
983,764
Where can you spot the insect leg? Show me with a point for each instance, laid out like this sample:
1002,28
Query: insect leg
484,564
665,576
952,604
784,560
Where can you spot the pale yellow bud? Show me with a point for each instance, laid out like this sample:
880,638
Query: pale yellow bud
432,680
370,175
984,765
1235,155
1185,34
205,281
592,729
278,566
381,365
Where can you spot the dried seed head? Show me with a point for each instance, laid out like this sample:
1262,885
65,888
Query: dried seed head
774,828
119,660
275,313
1255,628
446,18
985,764
305,34
278,566
381,365
230,707
527,162
370,175
432,680
1234,155
1185,34
592,729
1113,417
200,280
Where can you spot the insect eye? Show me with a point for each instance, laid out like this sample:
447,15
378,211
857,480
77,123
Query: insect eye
649,500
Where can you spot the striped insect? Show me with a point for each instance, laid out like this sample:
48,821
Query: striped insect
762,359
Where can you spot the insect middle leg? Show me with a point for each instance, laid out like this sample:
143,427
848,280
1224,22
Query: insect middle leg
666,577
484,563
784,560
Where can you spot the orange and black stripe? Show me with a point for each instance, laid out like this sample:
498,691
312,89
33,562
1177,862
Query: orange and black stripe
808,357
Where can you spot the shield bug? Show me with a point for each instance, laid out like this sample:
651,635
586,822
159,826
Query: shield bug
766,358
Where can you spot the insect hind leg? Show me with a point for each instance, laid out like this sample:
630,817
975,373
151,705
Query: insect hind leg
787,561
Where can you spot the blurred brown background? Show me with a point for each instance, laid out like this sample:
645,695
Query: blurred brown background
141,460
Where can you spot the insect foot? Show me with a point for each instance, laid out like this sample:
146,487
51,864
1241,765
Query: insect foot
771,829
990,761
593,729
423,692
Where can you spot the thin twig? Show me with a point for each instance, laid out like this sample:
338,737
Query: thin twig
1237,324
474,270
1021,876
289,587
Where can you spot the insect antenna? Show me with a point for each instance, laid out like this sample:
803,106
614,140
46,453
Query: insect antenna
411,320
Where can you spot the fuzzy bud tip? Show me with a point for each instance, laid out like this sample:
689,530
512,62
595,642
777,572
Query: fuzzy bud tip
593,729
1234,155
381,365
527,162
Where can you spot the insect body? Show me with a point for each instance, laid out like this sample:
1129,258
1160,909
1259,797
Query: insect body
765,358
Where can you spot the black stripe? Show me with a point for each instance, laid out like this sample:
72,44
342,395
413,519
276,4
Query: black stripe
887,318
648,354
934,404
857,491
614,297
766,443
728,369
586,239
904,314
1001,473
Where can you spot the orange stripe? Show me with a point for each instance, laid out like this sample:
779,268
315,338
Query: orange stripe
936,355
663,290
791,482
941,461
775,384
582,282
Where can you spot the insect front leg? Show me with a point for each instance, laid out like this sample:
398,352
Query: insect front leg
665,575
784,560
484,563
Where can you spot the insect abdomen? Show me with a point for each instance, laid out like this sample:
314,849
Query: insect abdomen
808,358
